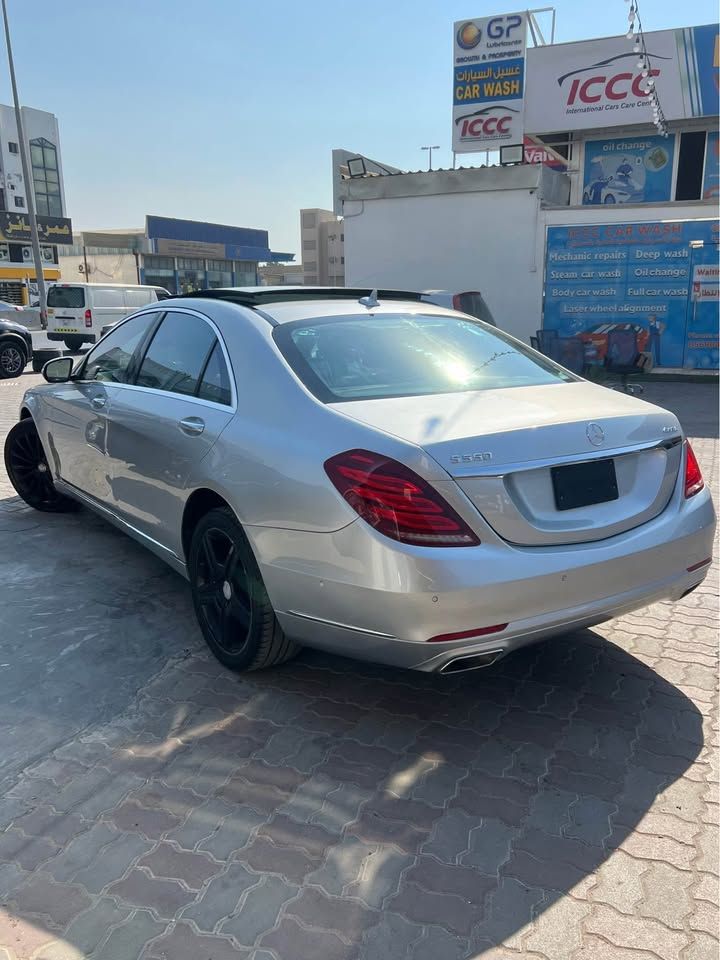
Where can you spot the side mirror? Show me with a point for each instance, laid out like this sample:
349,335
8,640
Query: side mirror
58,370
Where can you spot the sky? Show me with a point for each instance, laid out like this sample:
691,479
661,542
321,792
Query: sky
227,110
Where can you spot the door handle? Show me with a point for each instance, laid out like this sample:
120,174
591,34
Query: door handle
193,426
98,402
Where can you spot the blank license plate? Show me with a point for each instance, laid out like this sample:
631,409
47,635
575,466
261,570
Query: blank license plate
581,484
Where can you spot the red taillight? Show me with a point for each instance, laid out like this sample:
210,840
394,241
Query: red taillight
693,475
88,318
467,634
397,502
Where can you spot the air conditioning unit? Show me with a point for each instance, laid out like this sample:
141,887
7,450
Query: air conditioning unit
27,255
4,252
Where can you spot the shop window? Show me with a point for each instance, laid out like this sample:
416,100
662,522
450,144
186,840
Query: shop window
691,160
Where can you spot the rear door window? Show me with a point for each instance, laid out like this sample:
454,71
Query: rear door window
177,354
71,298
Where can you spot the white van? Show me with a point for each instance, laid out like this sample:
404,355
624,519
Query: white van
78,311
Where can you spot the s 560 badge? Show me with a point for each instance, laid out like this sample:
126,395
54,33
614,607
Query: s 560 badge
471,458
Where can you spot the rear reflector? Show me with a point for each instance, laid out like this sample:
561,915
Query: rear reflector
467,634
396,501
696,566
693,475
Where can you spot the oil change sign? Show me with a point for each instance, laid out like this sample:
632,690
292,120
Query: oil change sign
631,170
489,82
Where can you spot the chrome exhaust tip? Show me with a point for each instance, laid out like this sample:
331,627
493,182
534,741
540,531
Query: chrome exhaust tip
472,661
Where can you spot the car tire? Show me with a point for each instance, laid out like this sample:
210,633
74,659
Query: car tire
29,473
231,603
74,343
13,358
41,357
609,199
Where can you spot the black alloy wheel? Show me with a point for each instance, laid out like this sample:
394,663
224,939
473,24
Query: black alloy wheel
231,603
12,359
29,472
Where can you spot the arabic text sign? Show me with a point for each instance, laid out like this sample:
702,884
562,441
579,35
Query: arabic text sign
16,227
488,82
628,170
638,277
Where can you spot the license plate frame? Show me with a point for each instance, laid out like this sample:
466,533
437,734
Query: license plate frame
584,484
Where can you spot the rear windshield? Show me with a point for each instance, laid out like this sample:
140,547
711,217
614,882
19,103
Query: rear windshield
72,298
360,358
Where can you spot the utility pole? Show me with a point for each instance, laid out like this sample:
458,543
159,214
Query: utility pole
429,149
29,185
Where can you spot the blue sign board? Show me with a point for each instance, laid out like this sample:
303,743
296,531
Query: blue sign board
628,170
654,278
488,82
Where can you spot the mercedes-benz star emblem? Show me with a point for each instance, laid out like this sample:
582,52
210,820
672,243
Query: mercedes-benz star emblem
595,434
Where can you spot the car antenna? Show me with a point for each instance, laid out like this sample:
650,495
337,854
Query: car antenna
370,301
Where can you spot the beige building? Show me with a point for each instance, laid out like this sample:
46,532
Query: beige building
281,274
322,242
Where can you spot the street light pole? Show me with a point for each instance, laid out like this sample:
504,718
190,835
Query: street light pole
429,149
29,185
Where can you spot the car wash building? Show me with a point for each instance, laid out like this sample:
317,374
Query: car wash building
595,216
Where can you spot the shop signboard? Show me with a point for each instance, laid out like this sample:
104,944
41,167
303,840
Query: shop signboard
599,83
488,82
628,170
16,227
658,279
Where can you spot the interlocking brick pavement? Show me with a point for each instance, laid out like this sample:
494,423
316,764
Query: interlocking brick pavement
562,805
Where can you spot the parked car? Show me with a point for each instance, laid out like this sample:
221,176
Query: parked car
9,310
366,473
469,301
16,349
78,311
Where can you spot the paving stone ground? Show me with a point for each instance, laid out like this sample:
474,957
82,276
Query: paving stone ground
562,805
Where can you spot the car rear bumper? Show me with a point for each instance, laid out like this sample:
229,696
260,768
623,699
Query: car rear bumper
358,594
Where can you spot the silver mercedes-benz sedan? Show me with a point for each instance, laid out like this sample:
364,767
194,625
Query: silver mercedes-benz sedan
366,473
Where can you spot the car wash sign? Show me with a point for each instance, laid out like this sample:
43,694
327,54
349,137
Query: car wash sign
489,82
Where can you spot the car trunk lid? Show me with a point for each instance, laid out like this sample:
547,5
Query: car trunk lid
512,452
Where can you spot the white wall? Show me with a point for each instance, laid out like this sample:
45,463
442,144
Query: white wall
104,268
492,241
464,241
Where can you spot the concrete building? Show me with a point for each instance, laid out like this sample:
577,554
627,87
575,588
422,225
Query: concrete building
322,245
180,255
17,266
281,274
626,234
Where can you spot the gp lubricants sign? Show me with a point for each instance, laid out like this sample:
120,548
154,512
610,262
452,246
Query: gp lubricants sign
488,82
